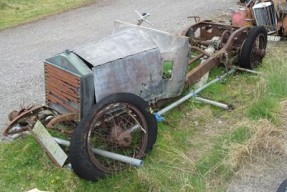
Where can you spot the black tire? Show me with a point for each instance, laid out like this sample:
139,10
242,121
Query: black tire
254,48
282,187
106,128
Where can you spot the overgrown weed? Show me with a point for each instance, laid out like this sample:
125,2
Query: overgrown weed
272,88
266,138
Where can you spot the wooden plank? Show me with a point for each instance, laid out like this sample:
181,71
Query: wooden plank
62,94
60,77
61,72
60,85
56,100
53,149
63,89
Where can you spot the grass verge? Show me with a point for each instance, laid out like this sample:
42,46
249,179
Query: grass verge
272,87
17,12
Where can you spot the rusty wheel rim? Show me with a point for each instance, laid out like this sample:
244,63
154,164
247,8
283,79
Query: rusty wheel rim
258,51
108,131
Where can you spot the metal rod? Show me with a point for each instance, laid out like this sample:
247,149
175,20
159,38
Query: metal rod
201,51
119,157
221,105
62,141
195,58
194,93
107,154
17,135
133,128
248,70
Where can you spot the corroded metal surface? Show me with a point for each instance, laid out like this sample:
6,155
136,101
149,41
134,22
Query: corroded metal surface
229,45
268,13
63,118
27,118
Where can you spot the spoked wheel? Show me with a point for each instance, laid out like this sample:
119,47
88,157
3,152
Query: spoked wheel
121,124
254,48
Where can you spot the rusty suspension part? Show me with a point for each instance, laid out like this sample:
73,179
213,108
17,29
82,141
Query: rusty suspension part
214,60
25,119
203,53
62,118
200,50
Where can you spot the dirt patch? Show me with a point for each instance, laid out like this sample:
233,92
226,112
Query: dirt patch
261,163
260,175
266,139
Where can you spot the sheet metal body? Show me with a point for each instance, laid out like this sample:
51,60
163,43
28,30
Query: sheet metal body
132,60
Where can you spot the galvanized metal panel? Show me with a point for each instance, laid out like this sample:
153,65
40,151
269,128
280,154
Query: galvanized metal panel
138,74
132,60
115,47
173,48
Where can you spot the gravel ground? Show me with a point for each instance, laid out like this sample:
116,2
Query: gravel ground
24,48
260,176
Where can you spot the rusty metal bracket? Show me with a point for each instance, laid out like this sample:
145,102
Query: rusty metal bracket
214,60
62,118
16,120
29,122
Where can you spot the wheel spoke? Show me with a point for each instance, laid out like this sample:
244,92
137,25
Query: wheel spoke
107,128
108,135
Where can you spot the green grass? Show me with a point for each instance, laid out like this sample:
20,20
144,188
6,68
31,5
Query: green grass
212,166
272,88
15,12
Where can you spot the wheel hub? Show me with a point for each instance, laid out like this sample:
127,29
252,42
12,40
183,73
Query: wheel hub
120,137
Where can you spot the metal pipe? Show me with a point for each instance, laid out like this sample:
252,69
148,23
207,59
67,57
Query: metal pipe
17,135
248,70
107,154
119,157
62,141
195,58
194,93
221,105
199,41
201,51
133,128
